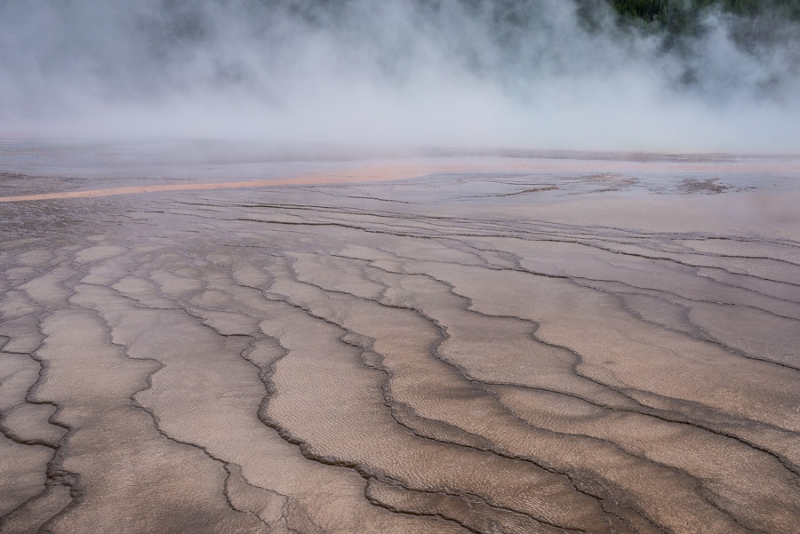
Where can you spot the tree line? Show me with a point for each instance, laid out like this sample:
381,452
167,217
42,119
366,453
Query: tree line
676,12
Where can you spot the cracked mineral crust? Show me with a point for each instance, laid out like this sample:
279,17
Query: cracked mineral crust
486,346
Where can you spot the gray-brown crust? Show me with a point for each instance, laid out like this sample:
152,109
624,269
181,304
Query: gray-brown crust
460,353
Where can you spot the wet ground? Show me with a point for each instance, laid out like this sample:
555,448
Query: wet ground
563,343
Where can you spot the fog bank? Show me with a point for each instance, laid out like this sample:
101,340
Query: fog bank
539,74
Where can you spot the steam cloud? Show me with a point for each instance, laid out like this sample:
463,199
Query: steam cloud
531,74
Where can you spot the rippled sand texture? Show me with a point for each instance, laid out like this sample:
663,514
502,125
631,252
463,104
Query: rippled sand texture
473,352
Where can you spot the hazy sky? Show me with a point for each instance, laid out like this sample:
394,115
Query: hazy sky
525,74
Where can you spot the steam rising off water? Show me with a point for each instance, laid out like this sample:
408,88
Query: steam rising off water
543,74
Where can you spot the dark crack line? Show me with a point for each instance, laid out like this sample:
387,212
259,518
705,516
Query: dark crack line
465,376
366,474
156,420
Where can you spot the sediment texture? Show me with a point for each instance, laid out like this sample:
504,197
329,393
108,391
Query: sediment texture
453,354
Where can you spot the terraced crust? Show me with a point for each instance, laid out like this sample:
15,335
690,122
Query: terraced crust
465,353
